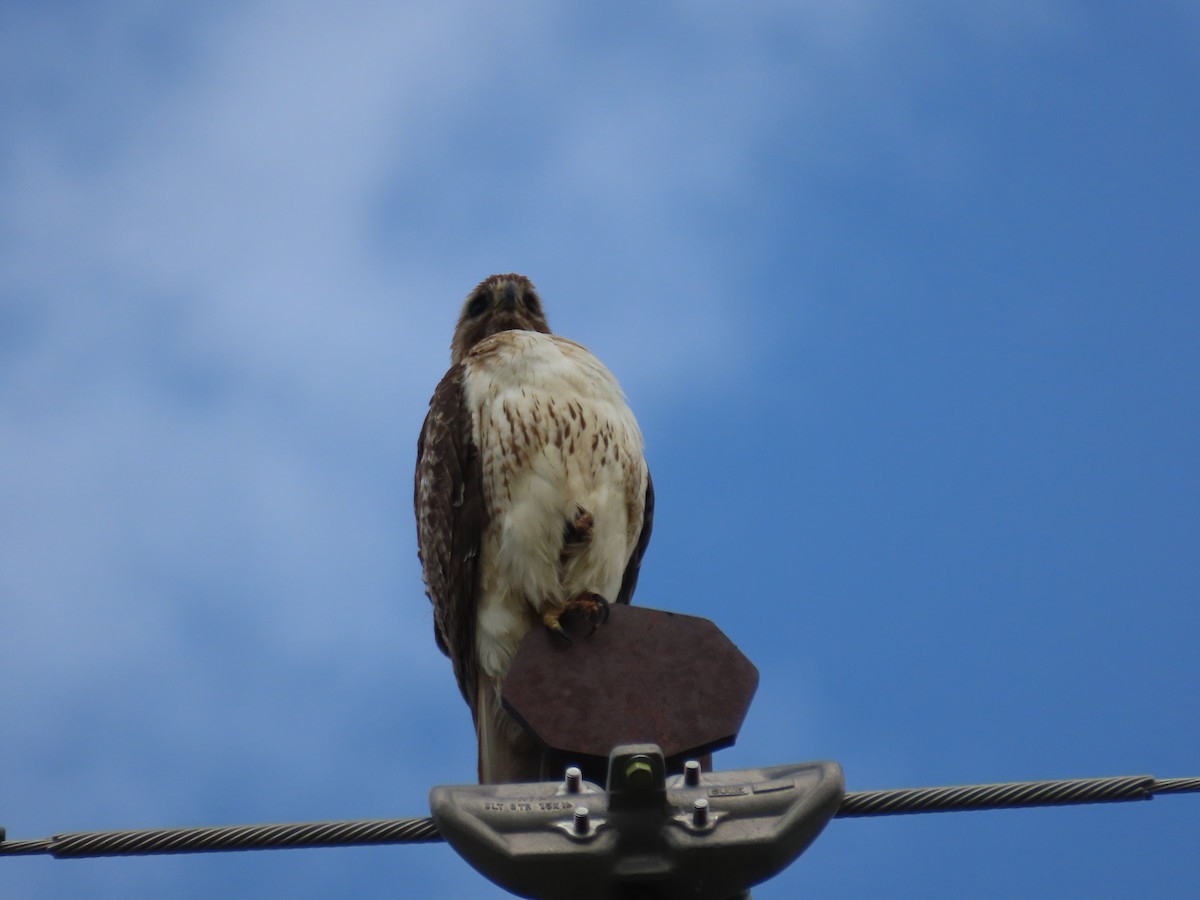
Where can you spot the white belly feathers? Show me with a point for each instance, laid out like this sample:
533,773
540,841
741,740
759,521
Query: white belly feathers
555,438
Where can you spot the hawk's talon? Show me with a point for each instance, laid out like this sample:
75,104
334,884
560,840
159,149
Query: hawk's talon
550,620
587,608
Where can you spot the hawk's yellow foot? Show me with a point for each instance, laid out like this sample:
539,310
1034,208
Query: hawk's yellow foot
587,609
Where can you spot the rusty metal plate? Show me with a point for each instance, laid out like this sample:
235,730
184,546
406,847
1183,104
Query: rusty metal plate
646,676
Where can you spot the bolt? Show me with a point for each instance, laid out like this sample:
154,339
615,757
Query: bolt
700,812
582,825
691,773
639,773
574,780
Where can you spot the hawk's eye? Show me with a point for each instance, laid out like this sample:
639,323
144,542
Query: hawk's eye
478,306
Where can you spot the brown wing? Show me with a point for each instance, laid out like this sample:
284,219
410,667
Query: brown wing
629,580
451,516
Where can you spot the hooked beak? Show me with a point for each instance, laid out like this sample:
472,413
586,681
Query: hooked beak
508,299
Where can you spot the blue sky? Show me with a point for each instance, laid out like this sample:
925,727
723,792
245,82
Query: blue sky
904,297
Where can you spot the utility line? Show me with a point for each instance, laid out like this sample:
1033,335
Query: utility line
1013,795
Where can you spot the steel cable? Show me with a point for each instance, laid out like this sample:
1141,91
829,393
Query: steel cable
422,830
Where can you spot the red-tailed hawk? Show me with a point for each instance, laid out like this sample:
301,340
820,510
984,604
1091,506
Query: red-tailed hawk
533,500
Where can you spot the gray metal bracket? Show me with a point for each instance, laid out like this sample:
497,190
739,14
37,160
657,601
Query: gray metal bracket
696,835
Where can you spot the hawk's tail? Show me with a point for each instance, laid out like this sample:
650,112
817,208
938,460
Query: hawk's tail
507,753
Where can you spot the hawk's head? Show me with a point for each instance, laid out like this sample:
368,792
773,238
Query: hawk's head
498,303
